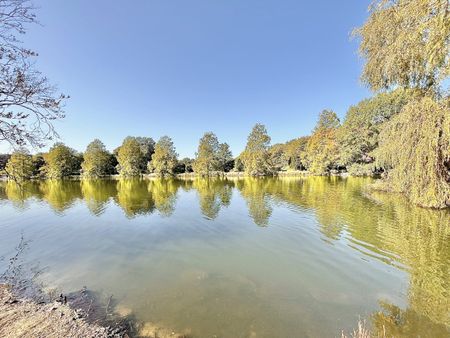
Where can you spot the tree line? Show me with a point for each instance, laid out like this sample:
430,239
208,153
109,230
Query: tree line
402,132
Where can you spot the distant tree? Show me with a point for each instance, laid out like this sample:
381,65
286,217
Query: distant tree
19,166
147,148
206,160
322,150
130,157
277,157
164,159
28,102
60,161
38,164
224,157
185,165
238,165
255,157
96,160
295,153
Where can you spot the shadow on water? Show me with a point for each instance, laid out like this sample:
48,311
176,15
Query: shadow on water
381,226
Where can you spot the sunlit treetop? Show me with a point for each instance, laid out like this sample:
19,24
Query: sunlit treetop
406,43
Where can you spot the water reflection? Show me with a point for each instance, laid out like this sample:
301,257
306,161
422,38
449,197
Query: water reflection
213,194
381,226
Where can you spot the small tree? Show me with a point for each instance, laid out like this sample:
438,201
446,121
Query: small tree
224,157
277,157
206,160
322,150
60,161
96,160
255,157
20,166
147,148
164,160
295,152
130,157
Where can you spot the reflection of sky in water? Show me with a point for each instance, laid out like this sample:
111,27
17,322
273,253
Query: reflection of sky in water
273,257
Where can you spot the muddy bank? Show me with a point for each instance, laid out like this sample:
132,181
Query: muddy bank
22,317
76,315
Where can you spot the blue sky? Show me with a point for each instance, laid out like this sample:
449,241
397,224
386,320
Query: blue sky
181,68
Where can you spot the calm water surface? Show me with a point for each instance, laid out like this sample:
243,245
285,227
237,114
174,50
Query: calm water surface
286,257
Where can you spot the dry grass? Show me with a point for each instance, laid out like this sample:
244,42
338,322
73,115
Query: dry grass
361,332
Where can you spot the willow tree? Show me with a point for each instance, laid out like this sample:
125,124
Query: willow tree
206,160
406,43
164,159
96,160
20,166
418,160
255,156
322,150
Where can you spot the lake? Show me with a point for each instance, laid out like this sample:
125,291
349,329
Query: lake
269,257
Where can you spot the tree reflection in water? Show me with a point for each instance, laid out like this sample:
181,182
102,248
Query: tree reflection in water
383,226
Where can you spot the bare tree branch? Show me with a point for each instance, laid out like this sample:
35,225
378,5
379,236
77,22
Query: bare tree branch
28,102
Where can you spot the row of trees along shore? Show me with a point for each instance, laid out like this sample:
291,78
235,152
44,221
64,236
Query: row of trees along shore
403,131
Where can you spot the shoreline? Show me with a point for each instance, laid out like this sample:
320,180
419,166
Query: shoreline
77,315
231,174
21,316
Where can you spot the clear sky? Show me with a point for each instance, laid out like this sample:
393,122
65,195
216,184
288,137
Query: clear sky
181,68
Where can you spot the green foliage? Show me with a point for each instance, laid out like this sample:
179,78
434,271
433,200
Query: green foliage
360,169
277,157
358,136
97,160
406,43
164,158
415,149
238,165
38,164
61,161
255,157
130,157
206,160
295,152
224,157
147,148
322,151
20,166
185,165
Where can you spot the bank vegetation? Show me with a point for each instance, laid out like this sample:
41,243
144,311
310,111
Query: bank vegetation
401,133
